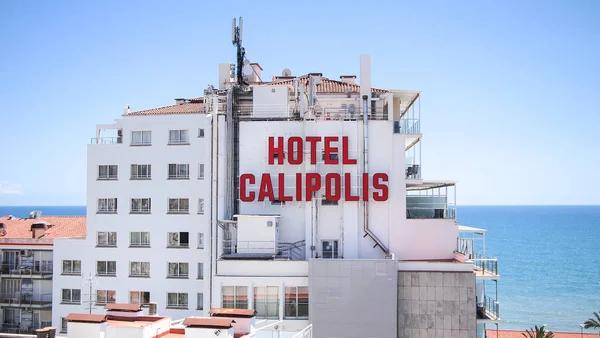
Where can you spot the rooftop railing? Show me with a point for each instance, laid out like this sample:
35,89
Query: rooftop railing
33,268
264,249
21,299
318,113
106,140
487,266
488,309
407,126
426,207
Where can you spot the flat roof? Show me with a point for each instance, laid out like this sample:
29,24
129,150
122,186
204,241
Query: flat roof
85,318
216,312
424,185
217,323
123,307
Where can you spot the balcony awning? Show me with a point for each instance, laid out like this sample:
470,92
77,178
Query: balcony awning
464,228
425,185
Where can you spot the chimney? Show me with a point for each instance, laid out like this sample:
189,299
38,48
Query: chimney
152,309
365,75
126,111
349,79
179,101
316,76
38,229
256,73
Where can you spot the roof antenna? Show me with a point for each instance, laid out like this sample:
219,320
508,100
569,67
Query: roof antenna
236,39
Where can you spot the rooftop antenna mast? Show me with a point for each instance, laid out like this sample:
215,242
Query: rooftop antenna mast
91,280
236,39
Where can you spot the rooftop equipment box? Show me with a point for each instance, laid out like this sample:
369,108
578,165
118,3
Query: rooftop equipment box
257,234
270,101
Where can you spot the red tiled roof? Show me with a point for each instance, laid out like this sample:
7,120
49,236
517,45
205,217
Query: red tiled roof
123,307
85,318
519,334
325,86
208,322
232,312
184,108
59,227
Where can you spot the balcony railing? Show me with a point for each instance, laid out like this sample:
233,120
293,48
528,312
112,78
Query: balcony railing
426,207
319,113
21,299
36,268
407,126
487,266
263,250
488,309
413,172
106,140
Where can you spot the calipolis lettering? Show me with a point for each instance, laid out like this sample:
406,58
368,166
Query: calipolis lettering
306,184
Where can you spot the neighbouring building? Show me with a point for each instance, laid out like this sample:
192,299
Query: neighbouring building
302,198
26,247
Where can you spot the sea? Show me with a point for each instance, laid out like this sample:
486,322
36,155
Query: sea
549,259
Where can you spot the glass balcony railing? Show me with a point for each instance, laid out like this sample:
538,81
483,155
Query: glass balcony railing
488,309
425,207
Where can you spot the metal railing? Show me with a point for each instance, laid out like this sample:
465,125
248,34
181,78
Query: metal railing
31,269
486,265
428,210
21,299
488,309
407,126
305,333
106,140
10,329
413,171
290,251
318,113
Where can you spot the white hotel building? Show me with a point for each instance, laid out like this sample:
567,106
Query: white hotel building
185,210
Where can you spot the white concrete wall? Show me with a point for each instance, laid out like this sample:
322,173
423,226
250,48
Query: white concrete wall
124,332
254,236
195,332
158,223
262,268
92,330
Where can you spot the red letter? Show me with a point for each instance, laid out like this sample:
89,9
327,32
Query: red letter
313,183
346,152
266,188
281,188
298,187
365,185
383,196
250,197
329,149
330,180
348,188
276,150
298,151
313,148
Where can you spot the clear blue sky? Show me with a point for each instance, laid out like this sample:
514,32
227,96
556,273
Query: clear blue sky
509,87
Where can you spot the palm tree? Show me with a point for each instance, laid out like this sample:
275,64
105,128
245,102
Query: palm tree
593,323
538,332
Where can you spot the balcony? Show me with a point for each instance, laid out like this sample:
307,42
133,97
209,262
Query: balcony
108,134
106,140
263,250
489,309
26,300
35,269
470,243
430,200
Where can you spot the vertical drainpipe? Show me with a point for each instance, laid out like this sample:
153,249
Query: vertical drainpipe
214,228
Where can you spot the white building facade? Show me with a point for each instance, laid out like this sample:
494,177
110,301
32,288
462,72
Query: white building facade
302,198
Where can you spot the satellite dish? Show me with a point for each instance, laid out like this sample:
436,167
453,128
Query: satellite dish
3,232
286,72
247,70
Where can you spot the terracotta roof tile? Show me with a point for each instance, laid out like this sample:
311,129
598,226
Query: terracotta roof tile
326,85
184,108
232,312
58,227
519,334
208,322
123,307
85,318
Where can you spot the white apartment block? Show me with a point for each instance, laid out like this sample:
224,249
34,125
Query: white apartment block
302,198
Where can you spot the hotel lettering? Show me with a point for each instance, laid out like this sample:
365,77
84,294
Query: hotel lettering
265,187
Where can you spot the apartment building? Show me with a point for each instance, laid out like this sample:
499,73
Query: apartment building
26,248
302,198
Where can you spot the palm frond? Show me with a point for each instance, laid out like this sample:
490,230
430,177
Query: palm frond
593,323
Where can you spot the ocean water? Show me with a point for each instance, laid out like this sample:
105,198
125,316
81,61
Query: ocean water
549,259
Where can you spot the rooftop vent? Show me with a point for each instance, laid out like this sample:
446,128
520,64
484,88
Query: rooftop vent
349,79
179,101
35,214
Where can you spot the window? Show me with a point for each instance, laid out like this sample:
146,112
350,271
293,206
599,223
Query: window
178,239
107,205
200,301
71,296
179,137
200,240
330,249
106,268
139,239
177,300
200,171
332,156
235,297
277,202
141,171
200,133
296,302
266,301
71,267
201,206
139,297
63,324
107,172
139,269
200,270
105,296
179,171
179,205
141,138
325,201
178,270
141,205
105,238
